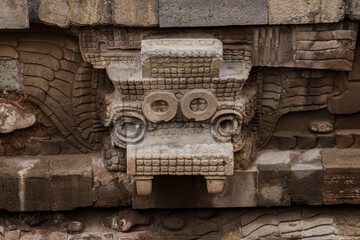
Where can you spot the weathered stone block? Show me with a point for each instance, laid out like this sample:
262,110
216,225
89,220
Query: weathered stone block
14,14
326,140
353,9
46,183
25,183
10,200
239,191
188,13
135,13
71,181
343,138
34,185
341,182
65,13
274,178
55,12
306,177
10,75
303,11
90,12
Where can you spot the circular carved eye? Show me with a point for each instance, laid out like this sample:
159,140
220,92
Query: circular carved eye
160,106
129,129
226,124
199,105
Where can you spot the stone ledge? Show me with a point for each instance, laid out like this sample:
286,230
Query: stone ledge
16,14
341,176
45,183
281,178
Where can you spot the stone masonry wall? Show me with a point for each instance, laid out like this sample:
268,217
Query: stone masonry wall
70,71
17,14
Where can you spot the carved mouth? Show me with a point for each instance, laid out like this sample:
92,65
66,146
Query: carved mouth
207,159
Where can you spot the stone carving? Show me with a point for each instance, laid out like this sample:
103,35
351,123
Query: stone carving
327,46
176,108
56,79
296,222
160,92
288,90
183,102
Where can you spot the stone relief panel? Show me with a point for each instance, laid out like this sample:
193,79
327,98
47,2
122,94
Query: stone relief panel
180,102
62,87
174,109
159,87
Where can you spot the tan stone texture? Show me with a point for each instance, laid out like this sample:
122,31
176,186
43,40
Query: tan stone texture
341,176
55,12
90,12
46,183
110,189
135,12
13,14
63,13
305,11
10,72
190,13
353,9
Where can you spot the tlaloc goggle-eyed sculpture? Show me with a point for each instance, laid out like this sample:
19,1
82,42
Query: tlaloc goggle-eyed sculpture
177,107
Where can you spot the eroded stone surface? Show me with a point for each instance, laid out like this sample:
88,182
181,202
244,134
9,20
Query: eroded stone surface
306,177
46,183
10,72
274,178
301,12
174,13
91,12
55,12
13,117
187,13
353,9
340,188
135,13
79,13
14,14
